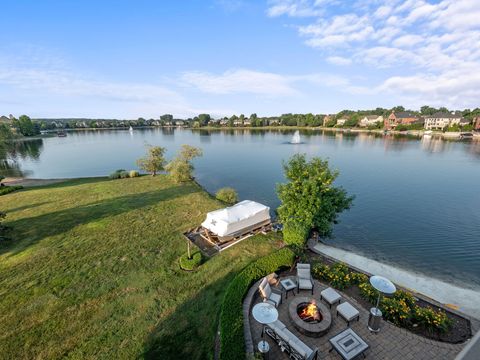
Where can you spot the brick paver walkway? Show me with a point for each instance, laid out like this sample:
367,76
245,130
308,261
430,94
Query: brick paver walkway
391,342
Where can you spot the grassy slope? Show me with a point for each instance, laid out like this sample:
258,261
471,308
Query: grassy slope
92,272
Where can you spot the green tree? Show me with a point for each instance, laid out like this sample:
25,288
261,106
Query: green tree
25,126
309,200
154,161
181,168
227,195
204,119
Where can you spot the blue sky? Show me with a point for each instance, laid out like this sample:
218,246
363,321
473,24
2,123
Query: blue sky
127,59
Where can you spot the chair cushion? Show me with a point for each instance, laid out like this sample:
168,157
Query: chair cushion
303,266
347,311
305,284
303,274
330,295
299,346
277,325
275,298
267,290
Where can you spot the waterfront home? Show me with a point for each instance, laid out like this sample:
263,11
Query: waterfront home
402,117
179,123
247,122
370,120
440,120
476,123
5,120
274,122
223,122
342,121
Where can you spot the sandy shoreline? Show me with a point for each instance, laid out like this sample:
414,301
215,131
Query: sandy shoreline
26,182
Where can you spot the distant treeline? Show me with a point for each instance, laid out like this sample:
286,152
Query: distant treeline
351,118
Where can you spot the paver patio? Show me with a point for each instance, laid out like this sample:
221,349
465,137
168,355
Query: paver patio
391,342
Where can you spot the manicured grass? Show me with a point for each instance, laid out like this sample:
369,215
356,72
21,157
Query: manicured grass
92,271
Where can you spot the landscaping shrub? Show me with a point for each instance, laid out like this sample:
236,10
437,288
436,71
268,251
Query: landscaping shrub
8,189
295,234
191,264
231,315
227,195
133,173
431,320
124,175
119,174
337,275
368,292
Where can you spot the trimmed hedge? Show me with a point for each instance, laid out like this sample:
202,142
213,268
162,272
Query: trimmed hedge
232,341
8,189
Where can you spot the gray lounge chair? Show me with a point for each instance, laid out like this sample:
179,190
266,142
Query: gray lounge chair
268,294
289,343
304,278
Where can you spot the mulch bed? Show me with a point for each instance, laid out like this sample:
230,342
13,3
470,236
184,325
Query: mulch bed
459,332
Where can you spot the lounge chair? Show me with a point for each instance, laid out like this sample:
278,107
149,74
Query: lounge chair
268,294
304,278
289,343
348,312
330,296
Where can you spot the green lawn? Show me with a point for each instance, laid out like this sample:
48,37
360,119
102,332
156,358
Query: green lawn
92,271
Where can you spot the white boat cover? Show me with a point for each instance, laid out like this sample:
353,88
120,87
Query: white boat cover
233,219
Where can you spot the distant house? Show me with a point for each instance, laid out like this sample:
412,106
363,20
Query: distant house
273,122
224,122
439,120
402,117
342,121
247,122
326,119
238,122
5,120
179,123
476,123
370,120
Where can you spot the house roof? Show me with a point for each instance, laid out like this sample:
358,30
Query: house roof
405,114
445,115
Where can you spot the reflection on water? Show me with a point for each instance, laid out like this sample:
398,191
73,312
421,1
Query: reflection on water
12,152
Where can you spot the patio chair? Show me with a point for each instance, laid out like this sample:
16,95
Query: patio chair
268,294
330,296
348,312
304,278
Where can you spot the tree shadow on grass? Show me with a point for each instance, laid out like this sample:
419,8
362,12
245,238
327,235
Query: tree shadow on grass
189,332
33,229
26,207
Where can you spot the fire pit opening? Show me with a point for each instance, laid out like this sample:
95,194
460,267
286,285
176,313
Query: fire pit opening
309,312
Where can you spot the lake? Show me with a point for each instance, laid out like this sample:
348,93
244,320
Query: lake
417,201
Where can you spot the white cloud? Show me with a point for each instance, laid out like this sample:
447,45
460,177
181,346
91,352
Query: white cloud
240,81
339,60
424,48
296,8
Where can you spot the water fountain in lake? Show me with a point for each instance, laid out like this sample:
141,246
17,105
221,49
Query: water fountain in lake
296,138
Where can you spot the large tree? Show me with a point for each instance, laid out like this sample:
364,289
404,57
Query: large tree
181,167
154,161
309,200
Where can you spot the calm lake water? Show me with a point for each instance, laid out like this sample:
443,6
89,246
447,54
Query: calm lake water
417,202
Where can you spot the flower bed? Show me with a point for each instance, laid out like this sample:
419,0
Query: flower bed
401,308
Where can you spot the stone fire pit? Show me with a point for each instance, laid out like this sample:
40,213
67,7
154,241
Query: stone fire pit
315,325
